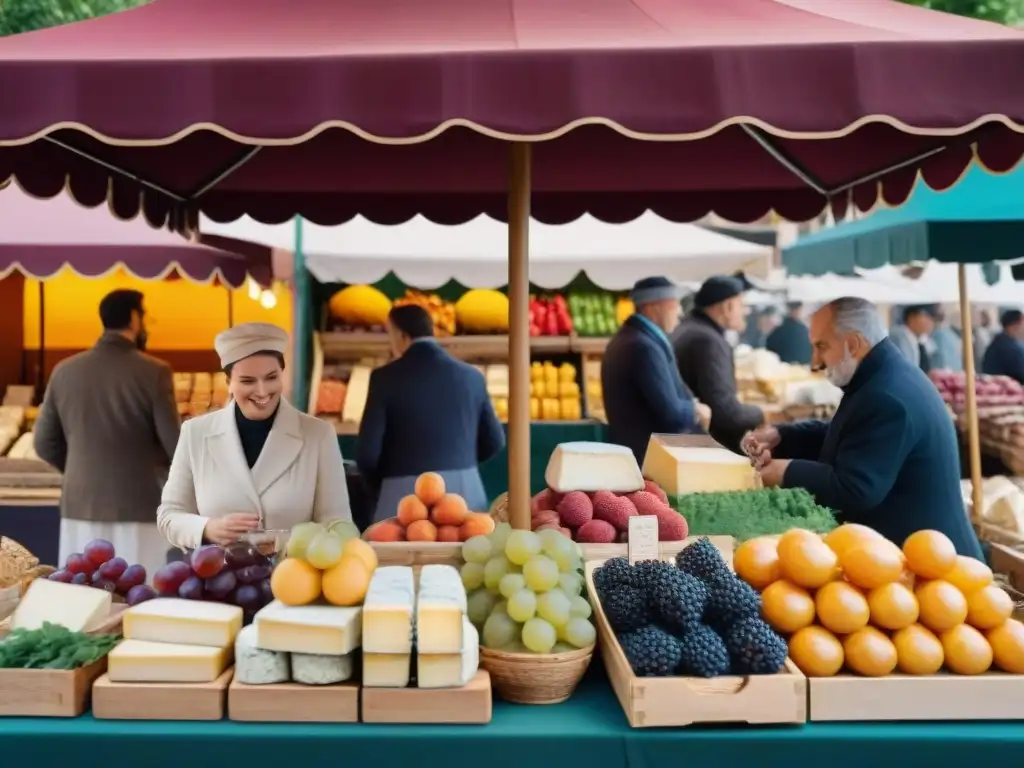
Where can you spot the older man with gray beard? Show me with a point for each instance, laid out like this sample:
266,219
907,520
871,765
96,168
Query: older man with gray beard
888,459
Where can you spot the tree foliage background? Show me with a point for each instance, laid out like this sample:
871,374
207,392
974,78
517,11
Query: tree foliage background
26,15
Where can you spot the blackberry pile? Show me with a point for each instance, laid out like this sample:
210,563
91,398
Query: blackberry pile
694,618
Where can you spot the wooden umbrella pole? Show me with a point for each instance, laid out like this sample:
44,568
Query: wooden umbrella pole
519,337
973,436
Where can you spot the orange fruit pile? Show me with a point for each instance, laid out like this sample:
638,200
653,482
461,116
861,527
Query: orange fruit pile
854,601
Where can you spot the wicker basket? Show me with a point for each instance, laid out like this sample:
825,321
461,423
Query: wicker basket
499,509
528,678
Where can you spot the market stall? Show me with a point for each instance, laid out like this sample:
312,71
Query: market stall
434,122
458,273
975,226
61,259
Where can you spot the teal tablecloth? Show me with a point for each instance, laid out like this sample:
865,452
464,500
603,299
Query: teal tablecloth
543,439
588,731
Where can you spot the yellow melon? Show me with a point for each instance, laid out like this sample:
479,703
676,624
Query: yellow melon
360,305
482,311
295,582
346,583
362,550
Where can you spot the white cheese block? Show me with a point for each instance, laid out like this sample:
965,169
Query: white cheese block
140,661
440,610
255,666
386,670
319,629
389,611
680,469
451,670
356,394
189,622
593,467
316,669
68,605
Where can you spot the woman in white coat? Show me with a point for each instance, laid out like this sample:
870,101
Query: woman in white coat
258,463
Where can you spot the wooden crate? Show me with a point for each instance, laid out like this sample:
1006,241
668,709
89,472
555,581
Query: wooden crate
160,701
469,705
651,702
48,692
293,703
439,553
667,549
418,553
848,698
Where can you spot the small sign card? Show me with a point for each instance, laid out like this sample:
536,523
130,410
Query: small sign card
643,538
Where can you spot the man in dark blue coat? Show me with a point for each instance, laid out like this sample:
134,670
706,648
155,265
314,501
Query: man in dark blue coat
889,458
1005,354
425,412
791,341
643,391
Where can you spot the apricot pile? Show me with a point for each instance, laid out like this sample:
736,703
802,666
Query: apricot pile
431,514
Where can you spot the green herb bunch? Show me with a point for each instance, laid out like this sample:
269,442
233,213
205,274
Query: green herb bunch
748,514
53,647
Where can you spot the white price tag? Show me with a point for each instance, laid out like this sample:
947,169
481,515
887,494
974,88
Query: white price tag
643,538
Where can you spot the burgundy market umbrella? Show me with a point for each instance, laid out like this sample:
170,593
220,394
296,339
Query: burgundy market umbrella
40,237
389,108
396,107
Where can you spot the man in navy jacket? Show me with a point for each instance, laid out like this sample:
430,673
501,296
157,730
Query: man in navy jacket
889,458
1005,355
425,412
643,391
791,341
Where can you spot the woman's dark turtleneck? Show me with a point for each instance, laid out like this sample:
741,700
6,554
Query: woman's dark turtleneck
253,434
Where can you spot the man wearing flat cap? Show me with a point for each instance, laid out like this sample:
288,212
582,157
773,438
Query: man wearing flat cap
643,392
705,357
110,424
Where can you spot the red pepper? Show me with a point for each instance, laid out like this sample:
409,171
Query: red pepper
551,318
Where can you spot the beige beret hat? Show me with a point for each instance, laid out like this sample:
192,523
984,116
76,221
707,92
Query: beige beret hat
247,339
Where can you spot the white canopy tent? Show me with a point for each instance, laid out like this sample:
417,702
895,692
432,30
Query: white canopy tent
427,255
938,282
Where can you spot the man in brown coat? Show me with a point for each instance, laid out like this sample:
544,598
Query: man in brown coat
110,424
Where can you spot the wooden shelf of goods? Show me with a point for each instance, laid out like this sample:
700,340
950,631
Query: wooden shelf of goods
342,363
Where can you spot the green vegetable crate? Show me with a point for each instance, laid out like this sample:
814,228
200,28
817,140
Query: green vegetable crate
54,692
48,692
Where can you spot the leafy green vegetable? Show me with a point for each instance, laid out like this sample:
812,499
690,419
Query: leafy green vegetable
53,647
748,514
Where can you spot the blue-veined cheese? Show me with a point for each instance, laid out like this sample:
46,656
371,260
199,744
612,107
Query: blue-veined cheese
189,622
317,669
389,611
255,666
141,661
440,610
327,630
451,670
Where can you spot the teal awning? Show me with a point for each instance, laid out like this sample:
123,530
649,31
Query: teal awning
979,220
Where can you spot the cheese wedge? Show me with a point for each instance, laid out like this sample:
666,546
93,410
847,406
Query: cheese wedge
440,610
140,661
451,670
593,467
386,670
326,630
681,469
389,610
68,605
189,622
